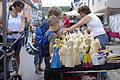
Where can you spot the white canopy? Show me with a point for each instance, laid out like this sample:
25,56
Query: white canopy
72,13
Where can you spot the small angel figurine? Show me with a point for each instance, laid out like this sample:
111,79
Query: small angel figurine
56,58
87,63
96,47
76,53
69,59
63,54
63,39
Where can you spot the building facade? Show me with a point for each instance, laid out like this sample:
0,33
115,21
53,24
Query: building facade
30,11
36,11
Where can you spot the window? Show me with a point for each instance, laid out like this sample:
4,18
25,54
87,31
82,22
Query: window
92,2
32,11
29,9
105,3
26,7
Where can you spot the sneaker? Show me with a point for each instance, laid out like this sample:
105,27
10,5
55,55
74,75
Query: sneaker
38,72
41,69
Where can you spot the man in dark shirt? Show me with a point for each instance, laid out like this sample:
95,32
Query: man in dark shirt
26,30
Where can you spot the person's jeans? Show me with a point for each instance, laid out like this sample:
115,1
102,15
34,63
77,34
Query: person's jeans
37,58
25,36
18,44
103,40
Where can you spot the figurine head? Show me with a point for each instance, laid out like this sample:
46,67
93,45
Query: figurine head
63,37
95,46
64,49
69,43
87,41
85,32
57,41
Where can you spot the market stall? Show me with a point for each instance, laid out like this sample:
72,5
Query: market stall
72,13
80,53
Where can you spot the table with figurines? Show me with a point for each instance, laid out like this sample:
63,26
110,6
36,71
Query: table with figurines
79,52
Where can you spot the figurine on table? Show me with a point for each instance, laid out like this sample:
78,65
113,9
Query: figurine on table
56,57
63,54
76,53
69,59
87,63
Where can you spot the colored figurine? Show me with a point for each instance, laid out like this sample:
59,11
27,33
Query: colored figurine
56,57
87,63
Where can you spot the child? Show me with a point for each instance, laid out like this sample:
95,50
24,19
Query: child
37,58
44,26
56,12
53,23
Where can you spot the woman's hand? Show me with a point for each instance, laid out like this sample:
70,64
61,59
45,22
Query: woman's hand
0,26
21,30
66,32
9,32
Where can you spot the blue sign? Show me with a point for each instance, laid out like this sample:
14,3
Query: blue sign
75,1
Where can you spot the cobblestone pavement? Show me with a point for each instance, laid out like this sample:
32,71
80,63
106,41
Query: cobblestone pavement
116,50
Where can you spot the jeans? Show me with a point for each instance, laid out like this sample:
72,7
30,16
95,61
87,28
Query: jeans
103,40
38,59
47,61
25,36
18,44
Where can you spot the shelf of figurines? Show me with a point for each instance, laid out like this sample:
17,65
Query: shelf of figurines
78,51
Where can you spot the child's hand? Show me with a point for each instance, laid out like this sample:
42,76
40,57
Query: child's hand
9,32
51,56
50,60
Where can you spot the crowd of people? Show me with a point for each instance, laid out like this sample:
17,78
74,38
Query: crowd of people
57,22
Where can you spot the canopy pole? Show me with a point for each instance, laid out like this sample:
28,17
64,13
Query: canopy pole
4,37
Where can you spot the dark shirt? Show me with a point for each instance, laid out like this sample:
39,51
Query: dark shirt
27,24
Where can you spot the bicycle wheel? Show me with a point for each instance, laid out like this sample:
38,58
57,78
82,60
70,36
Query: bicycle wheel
15,77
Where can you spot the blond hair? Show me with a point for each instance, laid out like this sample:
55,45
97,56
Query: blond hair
52,20
54,11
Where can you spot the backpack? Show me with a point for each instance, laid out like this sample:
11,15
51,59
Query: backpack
42,29
43,45
39,32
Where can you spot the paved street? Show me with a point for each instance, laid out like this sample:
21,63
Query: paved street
27,66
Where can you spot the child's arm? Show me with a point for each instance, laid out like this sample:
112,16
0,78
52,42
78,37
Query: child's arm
51,48
58,34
